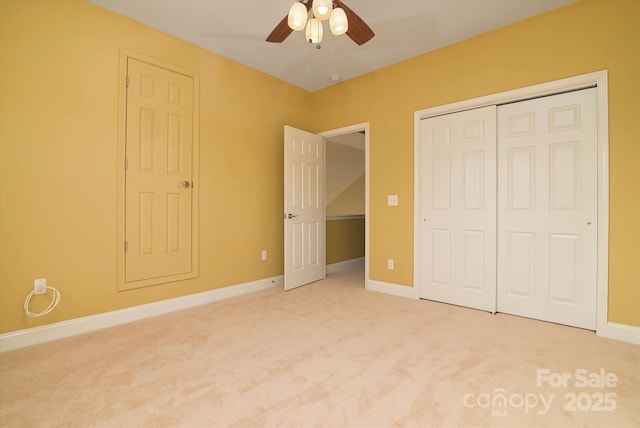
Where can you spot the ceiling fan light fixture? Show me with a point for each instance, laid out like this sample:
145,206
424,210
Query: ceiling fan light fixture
314,31
297,16
322,9
338,22
342,20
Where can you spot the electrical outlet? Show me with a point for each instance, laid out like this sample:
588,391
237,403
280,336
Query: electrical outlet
390,264
264,255
40,286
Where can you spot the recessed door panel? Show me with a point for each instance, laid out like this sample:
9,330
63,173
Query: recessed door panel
312,178
146,142
297,241
441,184
564,270
313,250
173,222
145,223
473,180
441,253
521,178
440,135
521,264
473,131
521,124
563,118
174,139
473,244
564,180
296,193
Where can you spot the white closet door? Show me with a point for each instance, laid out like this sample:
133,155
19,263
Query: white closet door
547,196
458,208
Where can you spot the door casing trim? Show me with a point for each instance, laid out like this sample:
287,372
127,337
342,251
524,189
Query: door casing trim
358,127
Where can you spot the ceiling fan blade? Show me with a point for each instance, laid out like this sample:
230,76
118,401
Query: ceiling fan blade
358,30
283,30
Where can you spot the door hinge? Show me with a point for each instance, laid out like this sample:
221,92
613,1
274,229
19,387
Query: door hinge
126,246
126,164
127,81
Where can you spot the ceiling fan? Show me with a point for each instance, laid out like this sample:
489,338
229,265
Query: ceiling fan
342,20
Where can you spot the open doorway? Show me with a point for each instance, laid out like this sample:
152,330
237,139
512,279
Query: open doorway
346,187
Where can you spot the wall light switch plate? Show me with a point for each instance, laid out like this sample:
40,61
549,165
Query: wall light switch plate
264,255
392,200
390,264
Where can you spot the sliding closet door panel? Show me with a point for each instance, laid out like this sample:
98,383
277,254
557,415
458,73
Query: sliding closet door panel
458,208
547,206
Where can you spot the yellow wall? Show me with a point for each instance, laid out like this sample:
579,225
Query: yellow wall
580,38
345,240
59,70
351,201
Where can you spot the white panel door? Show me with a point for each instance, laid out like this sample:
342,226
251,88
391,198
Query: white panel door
458,208
547,195
304,207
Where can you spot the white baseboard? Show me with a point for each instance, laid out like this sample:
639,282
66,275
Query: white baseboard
60,330
393,289
48,333
621,332
347,264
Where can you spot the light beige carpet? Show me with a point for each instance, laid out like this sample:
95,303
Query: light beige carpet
329,354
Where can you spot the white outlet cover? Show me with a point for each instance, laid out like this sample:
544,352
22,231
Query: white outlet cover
40,285
392,200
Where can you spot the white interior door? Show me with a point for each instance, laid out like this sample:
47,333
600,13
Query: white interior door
458,207
547,193
304,208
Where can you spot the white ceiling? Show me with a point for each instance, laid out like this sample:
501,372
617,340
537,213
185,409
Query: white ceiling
237,29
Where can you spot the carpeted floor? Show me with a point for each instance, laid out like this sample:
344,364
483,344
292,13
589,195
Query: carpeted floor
329,354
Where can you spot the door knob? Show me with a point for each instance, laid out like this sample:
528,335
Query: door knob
186,183
290,216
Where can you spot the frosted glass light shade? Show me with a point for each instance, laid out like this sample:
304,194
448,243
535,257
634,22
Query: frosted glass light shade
314,31
322,9
297,16
338,22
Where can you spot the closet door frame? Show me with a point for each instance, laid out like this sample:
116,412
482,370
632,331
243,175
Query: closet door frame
599,80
